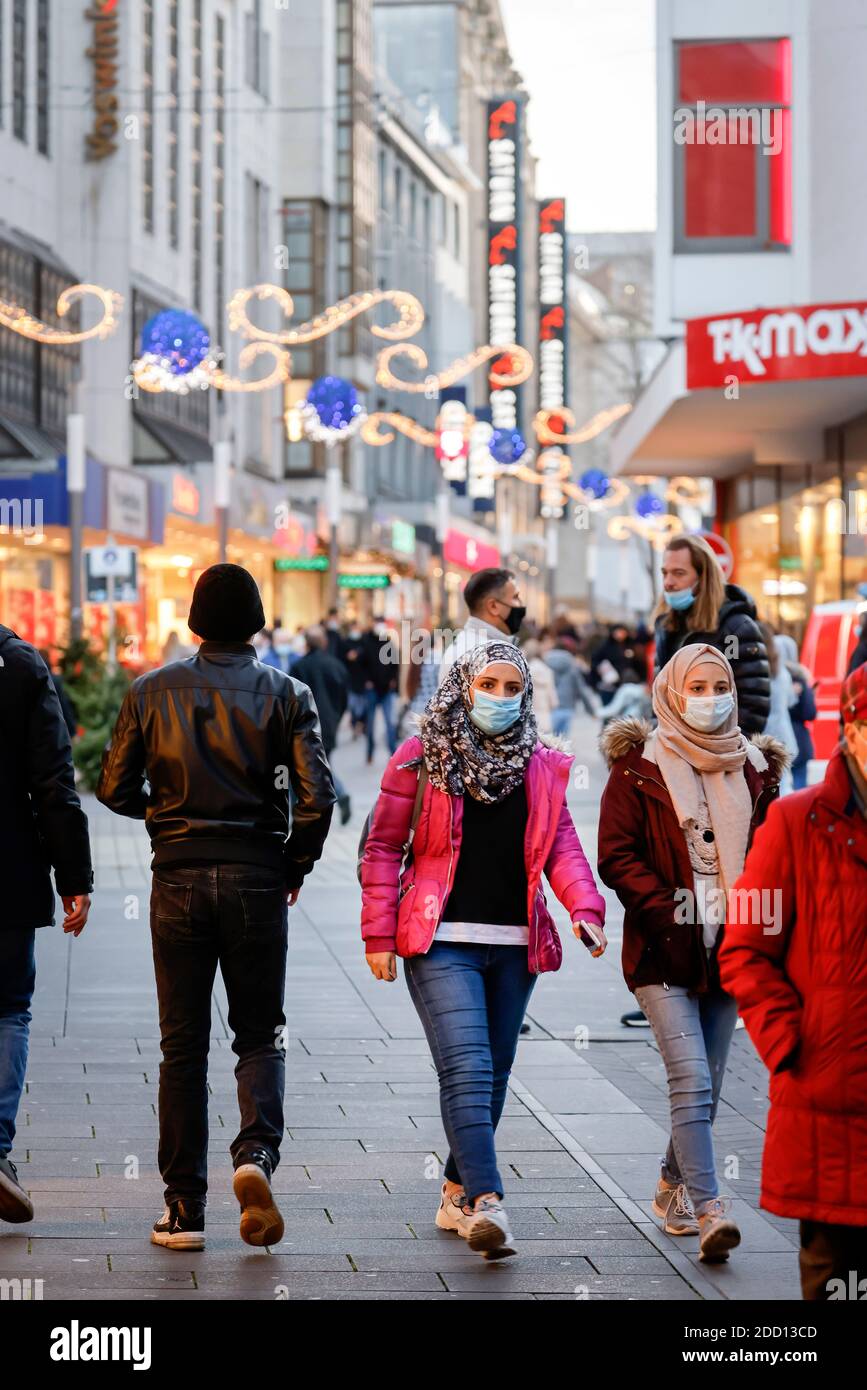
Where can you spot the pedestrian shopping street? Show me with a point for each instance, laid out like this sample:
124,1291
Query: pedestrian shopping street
359,1179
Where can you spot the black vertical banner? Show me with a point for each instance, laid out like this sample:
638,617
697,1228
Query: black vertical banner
553,349
505,117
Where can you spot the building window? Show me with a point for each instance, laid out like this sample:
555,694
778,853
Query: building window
257,51
733,147
304,233
196,154
356,163
19,69
43,19
174,119
219,170
35,379
147,152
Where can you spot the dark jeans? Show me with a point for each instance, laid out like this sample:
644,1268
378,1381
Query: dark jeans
17,982
832,1252
471,1001
234,915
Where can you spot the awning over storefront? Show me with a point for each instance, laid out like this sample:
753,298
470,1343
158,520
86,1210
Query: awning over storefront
26,442
157,441
673,430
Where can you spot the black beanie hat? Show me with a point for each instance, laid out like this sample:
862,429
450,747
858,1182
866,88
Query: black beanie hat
226,605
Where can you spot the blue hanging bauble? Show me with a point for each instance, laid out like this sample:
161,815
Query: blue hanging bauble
176,339
335,401
595,482
507,447
649,505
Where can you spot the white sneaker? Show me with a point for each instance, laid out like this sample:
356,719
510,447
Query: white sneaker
451,1215
487,1230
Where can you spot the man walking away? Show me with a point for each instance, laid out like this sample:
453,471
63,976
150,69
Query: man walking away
381,671
221,739
496,614
328,683
42,826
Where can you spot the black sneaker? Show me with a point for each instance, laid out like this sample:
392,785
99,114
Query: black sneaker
15,1205
182,1226
261,1222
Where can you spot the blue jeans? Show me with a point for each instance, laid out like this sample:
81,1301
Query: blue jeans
386,704
471,1001
17,982
693,1033
561,720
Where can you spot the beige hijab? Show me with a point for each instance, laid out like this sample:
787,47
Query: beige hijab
684,756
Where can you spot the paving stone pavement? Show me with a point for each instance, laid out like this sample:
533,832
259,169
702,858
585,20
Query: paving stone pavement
584,1124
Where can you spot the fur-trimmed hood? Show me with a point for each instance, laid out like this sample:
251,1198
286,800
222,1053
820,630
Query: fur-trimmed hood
622,735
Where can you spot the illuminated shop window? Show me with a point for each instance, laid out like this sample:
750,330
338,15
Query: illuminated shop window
732,146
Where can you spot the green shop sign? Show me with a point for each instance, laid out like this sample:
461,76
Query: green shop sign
301,562
363,581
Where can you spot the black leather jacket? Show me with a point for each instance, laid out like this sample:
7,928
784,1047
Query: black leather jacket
737,619
221,738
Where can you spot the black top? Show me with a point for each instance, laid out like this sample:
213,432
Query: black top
491,878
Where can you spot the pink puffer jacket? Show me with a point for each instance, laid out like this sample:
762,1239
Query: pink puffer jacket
402,915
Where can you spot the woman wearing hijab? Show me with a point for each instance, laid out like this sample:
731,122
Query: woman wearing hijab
677,817
484,805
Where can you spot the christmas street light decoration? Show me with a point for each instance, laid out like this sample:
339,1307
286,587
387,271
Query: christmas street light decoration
280,373
513,365
558,426
656,528
332,411
177,356
509,448
403,423
20,321
410,311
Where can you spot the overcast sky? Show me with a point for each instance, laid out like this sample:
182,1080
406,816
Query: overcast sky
589,66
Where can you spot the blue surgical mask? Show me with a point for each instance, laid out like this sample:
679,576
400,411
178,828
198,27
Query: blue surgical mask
493,715
704,713
679,599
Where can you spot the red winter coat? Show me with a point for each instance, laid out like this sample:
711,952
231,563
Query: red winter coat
802,993
642,855
402,915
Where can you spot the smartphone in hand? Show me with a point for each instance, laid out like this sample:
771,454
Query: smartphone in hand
592,936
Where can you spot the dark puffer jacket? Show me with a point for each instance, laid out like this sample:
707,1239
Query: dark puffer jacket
42,825
748,658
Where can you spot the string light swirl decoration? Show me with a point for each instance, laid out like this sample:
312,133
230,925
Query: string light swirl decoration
20,321
280,372
547,424
513,365
381,419
410,315
332,411
655,529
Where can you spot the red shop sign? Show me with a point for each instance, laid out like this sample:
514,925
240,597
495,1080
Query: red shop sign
794,344
469,553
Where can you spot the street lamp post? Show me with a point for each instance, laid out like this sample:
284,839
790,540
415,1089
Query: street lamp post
76,470
333,496
552,538
222,493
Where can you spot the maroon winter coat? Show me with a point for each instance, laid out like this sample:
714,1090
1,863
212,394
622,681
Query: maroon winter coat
802,991
642,855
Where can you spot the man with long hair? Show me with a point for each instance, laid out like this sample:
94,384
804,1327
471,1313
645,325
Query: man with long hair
698,606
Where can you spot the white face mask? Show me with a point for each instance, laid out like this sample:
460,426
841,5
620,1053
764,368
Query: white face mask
704,713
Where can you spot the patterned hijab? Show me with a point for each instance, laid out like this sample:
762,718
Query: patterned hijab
460,757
